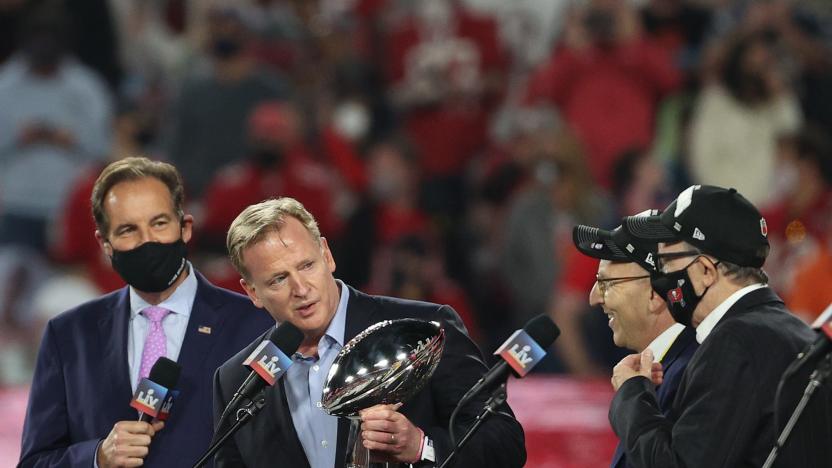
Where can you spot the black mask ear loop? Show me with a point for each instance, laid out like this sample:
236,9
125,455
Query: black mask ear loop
716,269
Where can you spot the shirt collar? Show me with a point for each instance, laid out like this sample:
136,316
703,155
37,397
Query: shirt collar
336,327
662,343
706,327
180,302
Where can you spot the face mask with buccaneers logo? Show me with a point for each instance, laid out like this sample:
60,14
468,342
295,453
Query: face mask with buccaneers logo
677,291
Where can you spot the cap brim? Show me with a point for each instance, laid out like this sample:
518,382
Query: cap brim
597,243
648,228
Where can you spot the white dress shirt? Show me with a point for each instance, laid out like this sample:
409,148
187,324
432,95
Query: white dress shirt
704,329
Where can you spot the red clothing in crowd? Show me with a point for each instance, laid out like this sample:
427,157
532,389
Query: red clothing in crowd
393,224
578,273
813,221
74,241
447,133
609,96
240,185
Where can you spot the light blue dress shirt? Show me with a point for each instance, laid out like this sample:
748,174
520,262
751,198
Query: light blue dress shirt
318,431
175,323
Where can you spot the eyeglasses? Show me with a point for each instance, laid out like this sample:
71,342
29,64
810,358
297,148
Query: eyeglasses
662,258
604,284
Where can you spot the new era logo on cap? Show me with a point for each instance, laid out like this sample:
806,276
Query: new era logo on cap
614,245
763,227
697,234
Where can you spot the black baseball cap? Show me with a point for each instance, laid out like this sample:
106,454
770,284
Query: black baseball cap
715,220
616,245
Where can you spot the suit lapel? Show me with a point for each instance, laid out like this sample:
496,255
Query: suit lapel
360,309
203,329
112,333
679,345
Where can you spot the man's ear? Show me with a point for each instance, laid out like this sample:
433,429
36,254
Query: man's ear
102,242
710,271
656,304
187,227
252,293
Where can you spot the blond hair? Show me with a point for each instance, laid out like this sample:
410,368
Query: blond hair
257,220
130,169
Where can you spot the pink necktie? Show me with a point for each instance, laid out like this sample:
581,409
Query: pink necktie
155,345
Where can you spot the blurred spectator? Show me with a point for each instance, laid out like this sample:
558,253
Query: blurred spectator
810,295
90,34
799,222
504,170
638,183
389,211
678,26
742,109
154,46
209,118
277,163
607,79
55,115
539,223
445,68
805,37
412,268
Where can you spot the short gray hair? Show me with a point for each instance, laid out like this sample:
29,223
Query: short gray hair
742,275
257,220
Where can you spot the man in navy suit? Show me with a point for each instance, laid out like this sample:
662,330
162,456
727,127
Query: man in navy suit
287,268
93,356
637,315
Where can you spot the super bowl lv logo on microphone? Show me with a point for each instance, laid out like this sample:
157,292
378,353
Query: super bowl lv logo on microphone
521,352
268,361
148,397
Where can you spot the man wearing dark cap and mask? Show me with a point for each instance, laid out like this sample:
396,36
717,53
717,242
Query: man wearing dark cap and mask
712,246
639,318
92,357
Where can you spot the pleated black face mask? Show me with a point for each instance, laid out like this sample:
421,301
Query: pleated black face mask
151,267
677,291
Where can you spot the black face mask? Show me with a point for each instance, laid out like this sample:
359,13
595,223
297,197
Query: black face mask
265,157
151,267
677,291
225,47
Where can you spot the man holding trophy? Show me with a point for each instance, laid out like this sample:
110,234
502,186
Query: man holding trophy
287,268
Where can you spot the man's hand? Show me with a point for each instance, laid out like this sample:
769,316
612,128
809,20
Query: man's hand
127,444
635,365
390,435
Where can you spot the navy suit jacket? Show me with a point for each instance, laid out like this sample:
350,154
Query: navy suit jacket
673,366
81,386
270,439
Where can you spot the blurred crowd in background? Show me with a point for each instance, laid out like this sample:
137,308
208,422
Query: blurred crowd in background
447,147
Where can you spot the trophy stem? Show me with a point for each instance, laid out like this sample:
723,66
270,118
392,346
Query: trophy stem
358,456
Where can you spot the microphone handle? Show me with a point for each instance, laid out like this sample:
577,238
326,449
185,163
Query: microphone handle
144,417
243,416
498,397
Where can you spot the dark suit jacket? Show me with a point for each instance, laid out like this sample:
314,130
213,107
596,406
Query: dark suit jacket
81,386
673,366
271,438
722,415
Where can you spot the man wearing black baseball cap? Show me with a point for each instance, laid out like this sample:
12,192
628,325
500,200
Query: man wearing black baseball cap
638,316
712,246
